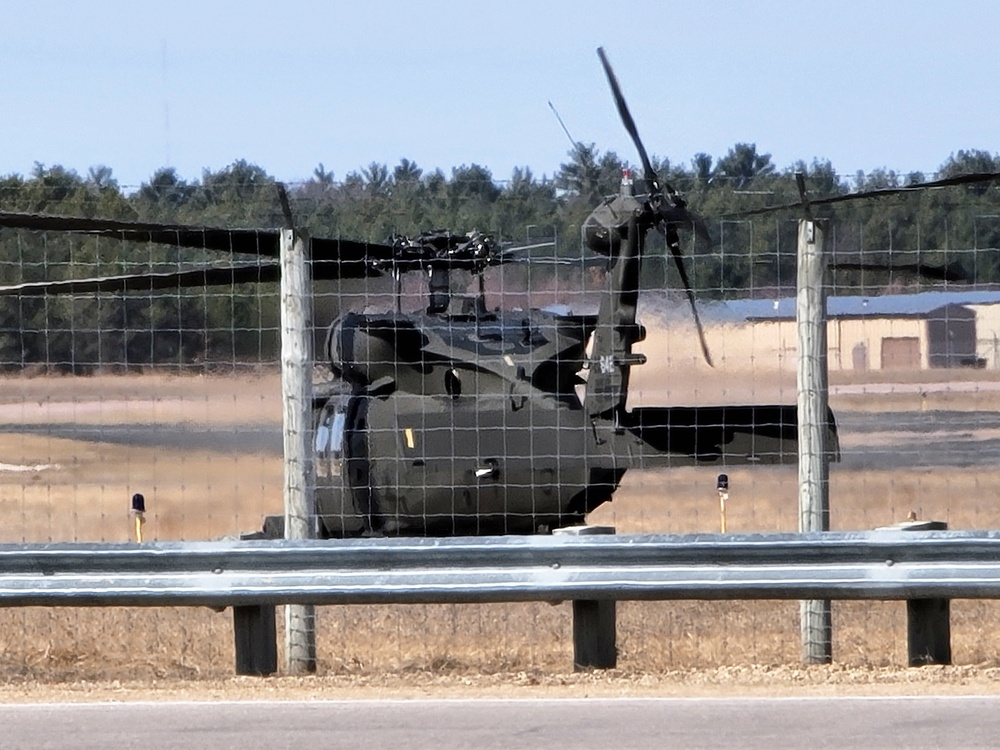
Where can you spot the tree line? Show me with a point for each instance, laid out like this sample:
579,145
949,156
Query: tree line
958,227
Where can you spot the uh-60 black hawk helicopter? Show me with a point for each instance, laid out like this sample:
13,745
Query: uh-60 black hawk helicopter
464,420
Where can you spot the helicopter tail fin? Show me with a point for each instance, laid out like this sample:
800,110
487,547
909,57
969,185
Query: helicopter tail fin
611,357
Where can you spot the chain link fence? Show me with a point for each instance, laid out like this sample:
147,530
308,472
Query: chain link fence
176,395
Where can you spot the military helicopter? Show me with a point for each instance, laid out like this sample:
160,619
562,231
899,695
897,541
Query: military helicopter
465,420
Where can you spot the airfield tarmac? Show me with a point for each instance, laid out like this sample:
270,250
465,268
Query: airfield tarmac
869,440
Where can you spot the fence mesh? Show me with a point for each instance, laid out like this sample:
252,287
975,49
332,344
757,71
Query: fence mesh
176,395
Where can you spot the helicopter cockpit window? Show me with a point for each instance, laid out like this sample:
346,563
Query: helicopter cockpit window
330,440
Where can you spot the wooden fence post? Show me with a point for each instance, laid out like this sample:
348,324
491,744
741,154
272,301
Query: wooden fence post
814,458
296,392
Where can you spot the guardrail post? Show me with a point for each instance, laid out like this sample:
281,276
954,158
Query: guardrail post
255,636
256,640
594,620
594,636
928,621
928,631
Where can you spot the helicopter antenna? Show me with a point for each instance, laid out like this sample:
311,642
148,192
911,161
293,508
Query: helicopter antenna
286,208
576,143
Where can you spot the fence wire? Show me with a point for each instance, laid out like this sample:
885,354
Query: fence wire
176,396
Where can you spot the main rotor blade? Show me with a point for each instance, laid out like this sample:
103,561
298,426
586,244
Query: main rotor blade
353,259
963,179
951,272
522,254
585,261
250,241
149,282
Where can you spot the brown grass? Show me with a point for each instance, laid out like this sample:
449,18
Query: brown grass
207,494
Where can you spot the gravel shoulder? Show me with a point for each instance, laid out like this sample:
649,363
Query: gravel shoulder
793,681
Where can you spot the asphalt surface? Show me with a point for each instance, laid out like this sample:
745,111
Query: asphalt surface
265,439
870,440
754,724
913,440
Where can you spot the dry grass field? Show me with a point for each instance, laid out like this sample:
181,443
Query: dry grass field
60,488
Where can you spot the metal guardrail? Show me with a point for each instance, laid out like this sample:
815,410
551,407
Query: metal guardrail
853,565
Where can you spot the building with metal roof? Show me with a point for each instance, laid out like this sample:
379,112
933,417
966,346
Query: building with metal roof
897,331
920,304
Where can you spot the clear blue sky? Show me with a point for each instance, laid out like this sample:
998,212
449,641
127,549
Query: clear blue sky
288,84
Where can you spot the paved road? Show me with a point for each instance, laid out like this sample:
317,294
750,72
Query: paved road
753,724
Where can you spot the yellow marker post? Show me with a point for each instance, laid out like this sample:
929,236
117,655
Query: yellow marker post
722,485
138,514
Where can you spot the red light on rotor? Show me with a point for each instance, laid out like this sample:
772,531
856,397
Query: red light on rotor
626,186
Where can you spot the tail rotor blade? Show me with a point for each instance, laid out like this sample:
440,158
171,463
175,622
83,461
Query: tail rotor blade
680,215
668,215
675,251
652,179
626,117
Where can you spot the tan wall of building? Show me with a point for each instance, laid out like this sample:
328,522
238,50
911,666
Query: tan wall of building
988,334
850,336
771,346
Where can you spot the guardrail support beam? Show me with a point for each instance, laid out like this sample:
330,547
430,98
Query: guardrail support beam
928,621
928,631
256,640
594,620
594,634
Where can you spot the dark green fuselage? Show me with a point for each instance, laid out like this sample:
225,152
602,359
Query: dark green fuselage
442,425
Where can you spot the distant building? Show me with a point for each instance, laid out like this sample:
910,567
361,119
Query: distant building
891,332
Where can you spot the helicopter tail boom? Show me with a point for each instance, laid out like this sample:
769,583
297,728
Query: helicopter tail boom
724,435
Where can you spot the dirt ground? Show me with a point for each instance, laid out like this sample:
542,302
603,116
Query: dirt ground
62,487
